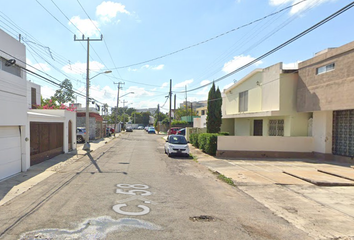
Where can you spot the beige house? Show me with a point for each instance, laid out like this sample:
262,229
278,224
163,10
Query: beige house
326,89
259,111
200,122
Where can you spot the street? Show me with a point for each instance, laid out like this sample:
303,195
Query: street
130,189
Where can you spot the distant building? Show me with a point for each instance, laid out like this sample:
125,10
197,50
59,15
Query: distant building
195,104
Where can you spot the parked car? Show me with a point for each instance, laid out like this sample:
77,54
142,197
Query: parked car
80,134
140,128
129,129
173,131
151,130
181,132
176,145
146,128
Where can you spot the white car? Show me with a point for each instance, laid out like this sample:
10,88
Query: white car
176,145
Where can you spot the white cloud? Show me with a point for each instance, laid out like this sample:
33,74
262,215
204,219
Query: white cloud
183,84
159,67
47,91
40,66
204,82
294,65
299,7
86,26
80,68
237,62
147,66
165,84
107,11
139,92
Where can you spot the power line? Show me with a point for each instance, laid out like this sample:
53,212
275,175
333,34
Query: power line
213,38
344,9
55,17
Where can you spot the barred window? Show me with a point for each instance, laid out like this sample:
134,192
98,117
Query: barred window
243,101
276,127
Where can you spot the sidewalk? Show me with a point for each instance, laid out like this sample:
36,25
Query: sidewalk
20,183
315,196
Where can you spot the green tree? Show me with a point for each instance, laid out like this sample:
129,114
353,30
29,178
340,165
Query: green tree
182,111
65,93
146,118
214,110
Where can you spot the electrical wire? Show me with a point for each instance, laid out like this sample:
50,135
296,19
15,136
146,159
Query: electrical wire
332,16
212,38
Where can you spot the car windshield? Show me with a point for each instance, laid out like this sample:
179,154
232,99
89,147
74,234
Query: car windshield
177,140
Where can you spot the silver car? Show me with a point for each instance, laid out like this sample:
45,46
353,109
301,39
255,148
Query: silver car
176,145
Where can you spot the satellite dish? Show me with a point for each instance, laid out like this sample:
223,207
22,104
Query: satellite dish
10,62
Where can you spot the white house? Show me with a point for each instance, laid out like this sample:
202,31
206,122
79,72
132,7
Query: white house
13,108
27,136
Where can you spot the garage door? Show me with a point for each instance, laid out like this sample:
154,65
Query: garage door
10,151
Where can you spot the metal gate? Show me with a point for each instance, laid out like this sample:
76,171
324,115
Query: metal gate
343,133
46,141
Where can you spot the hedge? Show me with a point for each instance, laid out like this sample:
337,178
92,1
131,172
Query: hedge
193,139
207,142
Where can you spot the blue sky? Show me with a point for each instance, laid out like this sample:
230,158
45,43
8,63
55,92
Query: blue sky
136,31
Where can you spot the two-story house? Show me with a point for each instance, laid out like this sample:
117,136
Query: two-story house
259,111
326,90
13,107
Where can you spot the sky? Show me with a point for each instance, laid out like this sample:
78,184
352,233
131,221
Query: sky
148,44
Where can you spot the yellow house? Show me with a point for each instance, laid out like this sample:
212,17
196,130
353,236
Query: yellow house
262,107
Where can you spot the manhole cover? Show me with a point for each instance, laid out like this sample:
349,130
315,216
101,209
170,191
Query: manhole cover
202,218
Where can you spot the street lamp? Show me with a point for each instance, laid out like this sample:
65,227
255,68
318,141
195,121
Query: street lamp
87,123
115,124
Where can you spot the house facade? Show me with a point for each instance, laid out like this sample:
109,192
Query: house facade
259,111
13,108
325,89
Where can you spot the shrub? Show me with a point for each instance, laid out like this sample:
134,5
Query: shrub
211,143
175,123
224,133
202,140
193,138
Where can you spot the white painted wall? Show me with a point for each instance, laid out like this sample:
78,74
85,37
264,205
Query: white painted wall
255,143
31,85
322,131
13,93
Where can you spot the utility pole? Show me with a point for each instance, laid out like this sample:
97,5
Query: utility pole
170,102
174,113
115,123
186,101
87,124
158,114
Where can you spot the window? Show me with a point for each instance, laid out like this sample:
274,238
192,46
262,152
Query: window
276,127
325,69
243,101
33,96
14,69
203,112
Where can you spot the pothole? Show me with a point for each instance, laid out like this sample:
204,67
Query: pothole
202,218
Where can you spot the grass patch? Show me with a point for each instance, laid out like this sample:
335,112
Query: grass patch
224,178
195,159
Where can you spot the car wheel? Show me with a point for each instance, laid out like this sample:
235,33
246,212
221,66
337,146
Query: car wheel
169,154
80,139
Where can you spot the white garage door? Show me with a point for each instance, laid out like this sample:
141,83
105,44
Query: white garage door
10,151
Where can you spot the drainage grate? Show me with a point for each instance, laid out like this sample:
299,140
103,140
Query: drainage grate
202,218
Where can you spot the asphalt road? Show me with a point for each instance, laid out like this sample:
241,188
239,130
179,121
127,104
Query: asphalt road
130,189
